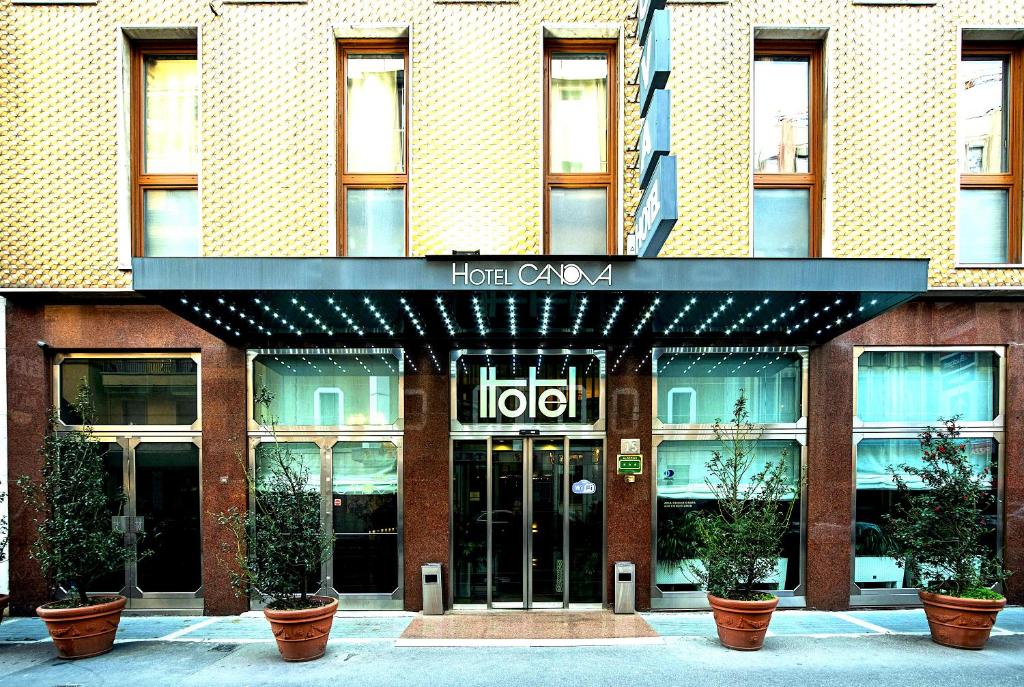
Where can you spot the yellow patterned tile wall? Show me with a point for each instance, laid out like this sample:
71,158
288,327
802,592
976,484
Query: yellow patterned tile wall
268,111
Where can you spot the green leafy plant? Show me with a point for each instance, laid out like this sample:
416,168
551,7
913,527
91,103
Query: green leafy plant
280,542
740,544
939,532
677,539
870,540
75,543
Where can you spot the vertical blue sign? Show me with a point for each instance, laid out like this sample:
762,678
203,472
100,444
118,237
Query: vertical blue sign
644,10
656,59
658,209
655,134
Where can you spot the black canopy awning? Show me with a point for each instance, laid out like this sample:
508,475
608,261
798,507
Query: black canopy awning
506,302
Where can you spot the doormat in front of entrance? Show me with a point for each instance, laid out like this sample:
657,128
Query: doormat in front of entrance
529,625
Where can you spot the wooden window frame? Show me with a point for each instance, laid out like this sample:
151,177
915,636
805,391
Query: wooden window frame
142,182
606,180
1011,181
346,180
812,180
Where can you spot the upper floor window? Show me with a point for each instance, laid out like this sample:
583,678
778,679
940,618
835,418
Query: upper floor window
165,149
787,149
374,149
579,164
990,129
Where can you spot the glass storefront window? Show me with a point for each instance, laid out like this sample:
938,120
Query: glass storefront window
566,389
304,456
917,388
698,388
328,390
131,391
875,566
683,494
365,516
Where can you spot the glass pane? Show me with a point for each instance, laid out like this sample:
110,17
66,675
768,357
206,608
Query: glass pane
132,391
303,457
167,497
375,222
586,520
699,388
365,514
983,116
171,223
983,225
329,390
875,565
683,494
579,221
578,111
919,387
113,487
781,109
507,521
171,129
469,522
508,405
548,519
782,226
375,114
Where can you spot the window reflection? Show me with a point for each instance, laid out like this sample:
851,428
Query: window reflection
375,114
579,113
781,111
875,564
983,116
683,496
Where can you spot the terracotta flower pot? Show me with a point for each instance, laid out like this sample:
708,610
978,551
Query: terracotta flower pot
742,624
86,631
302,635
960,623
4,598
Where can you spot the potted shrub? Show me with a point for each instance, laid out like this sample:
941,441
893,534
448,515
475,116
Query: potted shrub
939,535
281,544
740,543
75,541
4,598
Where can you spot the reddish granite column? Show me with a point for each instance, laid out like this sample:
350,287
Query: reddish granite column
28,393
223,478
1013,473
628,506
425,480
829,475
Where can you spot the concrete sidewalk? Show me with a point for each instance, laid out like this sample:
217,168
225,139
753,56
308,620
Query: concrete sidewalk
804,649
389,627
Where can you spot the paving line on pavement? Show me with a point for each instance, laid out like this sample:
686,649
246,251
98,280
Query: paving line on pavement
189,628
878,629
608,641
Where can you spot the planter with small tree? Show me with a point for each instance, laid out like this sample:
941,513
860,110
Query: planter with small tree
76,543
939,533
740,543
281,544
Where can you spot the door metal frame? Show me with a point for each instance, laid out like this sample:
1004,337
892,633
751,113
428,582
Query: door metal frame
138,599
527,601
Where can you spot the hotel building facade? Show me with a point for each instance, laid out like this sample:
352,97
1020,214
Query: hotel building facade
479,250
